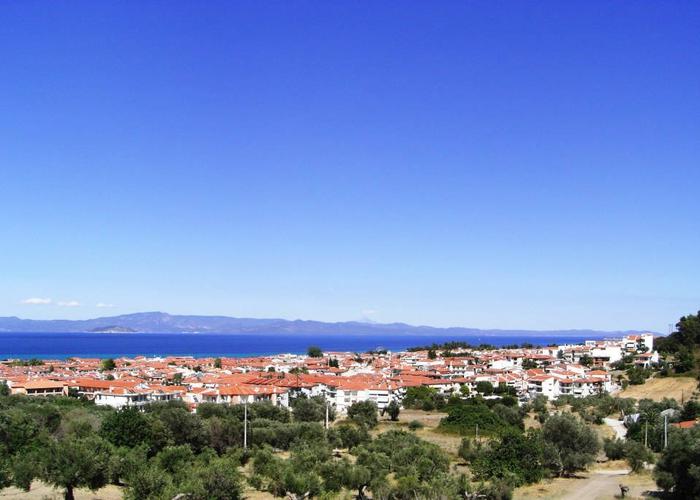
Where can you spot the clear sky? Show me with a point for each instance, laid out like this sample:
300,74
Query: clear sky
489,164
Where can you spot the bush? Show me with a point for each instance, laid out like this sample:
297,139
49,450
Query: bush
414,425
468,451
614,448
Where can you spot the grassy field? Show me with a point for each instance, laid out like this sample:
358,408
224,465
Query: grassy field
658,388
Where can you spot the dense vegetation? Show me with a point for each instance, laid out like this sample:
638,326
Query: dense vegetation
682,345
678,469
166,451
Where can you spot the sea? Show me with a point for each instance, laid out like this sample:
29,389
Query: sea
103,345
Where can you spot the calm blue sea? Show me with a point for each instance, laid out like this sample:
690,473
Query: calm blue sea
63,345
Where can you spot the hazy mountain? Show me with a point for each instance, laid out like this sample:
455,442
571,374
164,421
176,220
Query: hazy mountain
158,322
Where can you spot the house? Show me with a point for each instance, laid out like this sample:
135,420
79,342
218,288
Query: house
38,387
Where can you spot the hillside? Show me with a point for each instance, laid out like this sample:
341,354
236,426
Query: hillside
159,322
658,388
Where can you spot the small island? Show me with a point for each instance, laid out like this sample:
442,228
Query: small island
113,329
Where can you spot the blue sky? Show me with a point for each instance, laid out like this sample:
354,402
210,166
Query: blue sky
486,164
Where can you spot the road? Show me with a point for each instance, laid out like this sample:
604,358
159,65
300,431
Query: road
617,426
600,484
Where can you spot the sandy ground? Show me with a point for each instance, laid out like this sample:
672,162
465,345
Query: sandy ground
658,388
595,485
41,491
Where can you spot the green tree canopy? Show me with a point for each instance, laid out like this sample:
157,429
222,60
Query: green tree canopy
678,468
108,365
73,463
575,443
364,413
314,352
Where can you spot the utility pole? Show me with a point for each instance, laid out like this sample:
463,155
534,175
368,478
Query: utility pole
245,424
326,404
665,431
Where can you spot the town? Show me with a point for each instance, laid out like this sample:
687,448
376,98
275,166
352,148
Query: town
341,378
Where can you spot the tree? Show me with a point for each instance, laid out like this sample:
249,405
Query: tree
370,471
309,409
677,470
4,389
484,387
529,364
217,363
637,375
393,409
333,363
147,482
517,458
314,352
575,443
691,410
586,360
182,427
364,413
432,354
637,455
220,479
126,427
73,463
464,418
349,436
107,365
685,360
423,398
224,433
174,459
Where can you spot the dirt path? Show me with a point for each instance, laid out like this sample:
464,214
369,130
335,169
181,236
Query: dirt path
617,426
599,485
596,485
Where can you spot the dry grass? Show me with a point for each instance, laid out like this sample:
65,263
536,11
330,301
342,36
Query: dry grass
531,421
604,431
41,491
658,388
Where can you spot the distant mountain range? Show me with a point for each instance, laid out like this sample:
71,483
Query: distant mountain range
158,322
